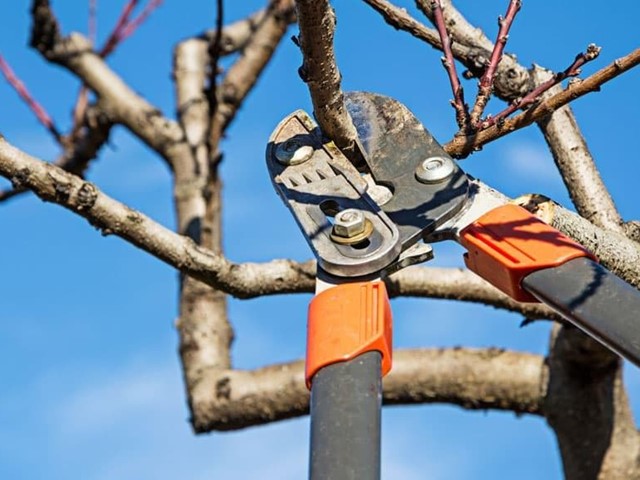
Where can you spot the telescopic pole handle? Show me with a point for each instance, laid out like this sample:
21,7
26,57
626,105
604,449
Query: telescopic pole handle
346,400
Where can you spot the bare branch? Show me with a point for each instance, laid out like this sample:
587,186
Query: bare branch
245,280
116,33
203,325
80,149
470,378
471,46
112,217
486,82
133,25
458,103
319,71
585,382
533,96
461,146
122,104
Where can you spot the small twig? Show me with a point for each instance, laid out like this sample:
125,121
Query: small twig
462,146
572,70
486,82
116,34
131,27
461,108
39,111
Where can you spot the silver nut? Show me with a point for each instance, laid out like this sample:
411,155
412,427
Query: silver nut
293,152
349,223
435,169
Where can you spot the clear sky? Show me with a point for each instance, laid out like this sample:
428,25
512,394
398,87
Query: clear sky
90,385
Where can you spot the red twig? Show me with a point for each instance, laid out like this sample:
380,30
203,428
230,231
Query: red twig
116,34
123,28
486,82
22,90
462,109
571,71
131,27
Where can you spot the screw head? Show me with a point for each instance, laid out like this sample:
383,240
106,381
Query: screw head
435,169
349,223
293,152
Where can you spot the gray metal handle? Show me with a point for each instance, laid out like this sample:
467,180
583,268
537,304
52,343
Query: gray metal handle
346,399
594,300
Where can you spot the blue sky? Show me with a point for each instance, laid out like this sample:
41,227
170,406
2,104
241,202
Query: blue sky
90,381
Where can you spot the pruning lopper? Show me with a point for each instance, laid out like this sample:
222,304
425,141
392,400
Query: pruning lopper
365,224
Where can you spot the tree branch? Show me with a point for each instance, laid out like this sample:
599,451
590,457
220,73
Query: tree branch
112,217
587,407
320,72
473,379
461,146
79,149
472,47
486,82
458,103
121,103
279,276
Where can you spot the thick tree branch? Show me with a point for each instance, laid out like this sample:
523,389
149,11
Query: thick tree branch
319,71
122,104
112,217
279,276
205,332
587,407
399,19
472,379
79,149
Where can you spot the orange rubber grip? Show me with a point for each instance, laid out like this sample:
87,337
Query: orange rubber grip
346,321
508,243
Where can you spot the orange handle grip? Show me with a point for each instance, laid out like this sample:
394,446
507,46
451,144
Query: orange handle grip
508,243
346,321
